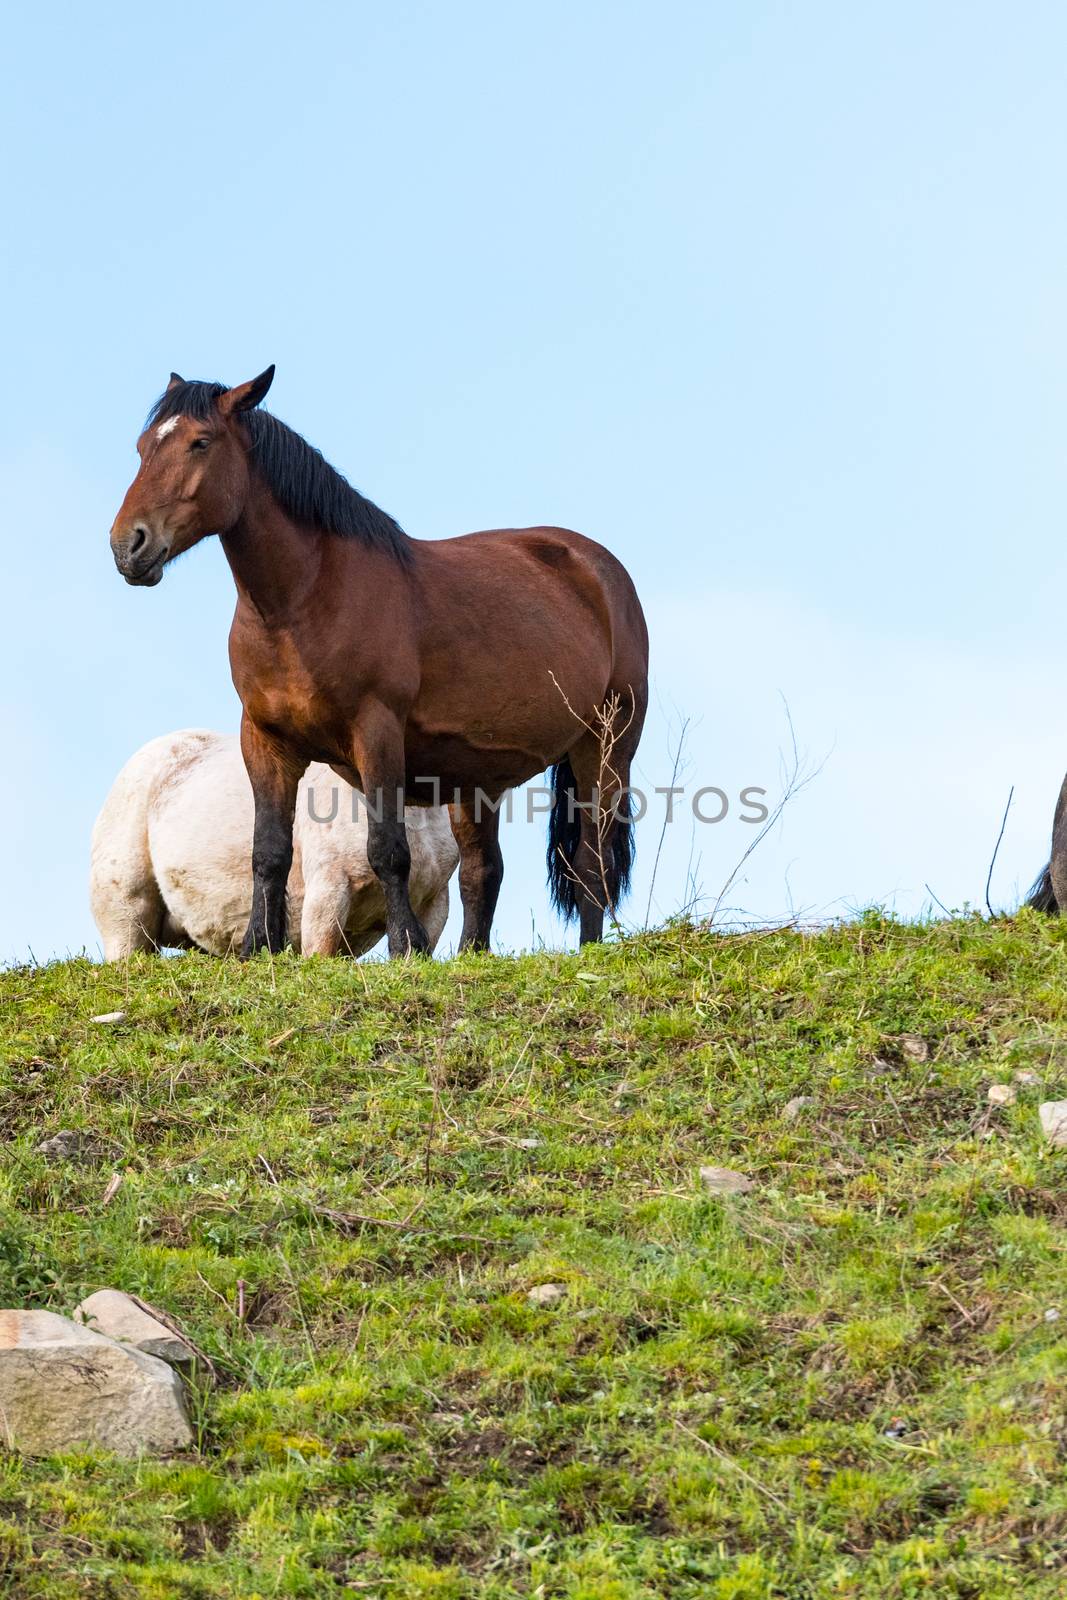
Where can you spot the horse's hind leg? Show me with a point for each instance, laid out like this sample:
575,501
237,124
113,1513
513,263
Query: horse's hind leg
324,916
601,867
129,917
126,903
481,869
435,916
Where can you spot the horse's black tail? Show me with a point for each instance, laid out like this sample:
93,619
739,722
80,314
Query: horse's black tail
564,832
1042,896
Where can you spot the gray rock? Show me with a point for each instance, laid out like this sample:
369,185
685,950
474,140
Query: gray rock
107,1017
797,1107
65,1387
1053,1114
118,1316
913,1047
546,1294
723,1180
82,1148
66,1145
1026,1077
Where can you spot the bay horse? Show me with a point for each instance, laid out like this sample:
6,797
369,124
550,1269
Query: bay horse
172,856
422,671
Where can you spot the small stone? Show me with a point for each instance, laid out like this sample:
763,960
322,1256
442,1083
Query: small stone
1052,1314
795,1108
76,1145
528,1144
913,1047
118,1316
109,1016
66,1145
1028,1079
65,1387
723,1180
546,1294
1053,1114
1000,1094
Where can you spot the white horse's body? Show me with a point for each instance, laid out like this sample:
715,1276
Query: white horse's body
172,856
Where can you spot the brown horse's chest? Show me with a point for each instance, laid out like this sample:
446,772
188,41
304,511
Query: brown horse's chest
283,694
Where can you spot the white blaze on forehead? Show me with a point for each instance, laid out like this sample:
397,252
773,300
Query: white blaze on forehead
167,427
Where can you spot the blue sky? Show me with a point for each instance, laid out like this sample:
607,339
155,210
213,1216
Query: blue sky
771,299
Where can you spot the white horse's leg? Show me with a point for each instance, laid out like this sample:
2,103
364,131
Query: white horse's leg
435,916
324,916
130,923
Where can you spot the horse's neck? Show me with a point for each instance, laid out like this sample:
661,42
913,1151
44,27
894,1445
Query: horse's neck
275,563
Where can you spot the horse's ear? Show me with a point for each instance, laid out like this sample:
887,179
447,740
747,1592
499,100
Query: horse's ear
176,381
246,395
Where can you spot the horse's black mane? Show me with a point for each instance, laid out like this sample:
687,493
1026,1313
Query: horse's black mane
299,476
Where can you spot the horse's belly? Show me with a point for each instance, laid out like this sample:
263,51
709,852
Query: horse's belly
441,766
495,730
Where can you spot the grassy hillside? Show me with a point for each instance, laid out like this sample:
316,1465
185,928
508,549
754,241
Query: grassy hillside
848,1382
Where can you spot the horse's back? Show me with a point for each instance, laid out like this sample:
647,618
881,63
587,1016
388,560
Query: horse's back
559,579
521,634
601,571
561,555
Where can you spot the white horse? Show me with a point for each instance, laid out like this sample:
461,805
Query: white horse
172,856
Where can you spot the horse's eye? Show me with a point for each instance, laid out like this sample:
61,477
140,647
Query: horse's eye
200,444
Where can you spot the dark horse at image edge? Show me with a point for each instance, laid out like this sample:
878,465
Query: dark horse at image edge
1049,893
471,664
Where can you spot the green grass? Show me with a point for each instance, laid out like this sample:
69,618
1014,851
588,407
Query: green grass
845,1383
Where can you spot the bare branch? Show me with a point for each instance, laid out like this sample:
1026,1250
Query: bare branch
996,850
796,781
936,901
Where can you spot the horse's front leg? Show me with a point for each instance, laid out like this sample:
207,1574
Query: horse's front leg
274,772
379,753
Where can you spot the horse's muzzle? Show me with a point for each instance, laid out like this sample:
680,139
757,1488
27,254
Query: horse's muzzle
140,556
